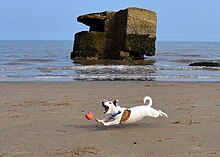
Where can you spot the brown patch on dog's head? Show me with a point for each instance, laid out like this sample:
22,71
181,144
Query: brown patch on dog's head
125,115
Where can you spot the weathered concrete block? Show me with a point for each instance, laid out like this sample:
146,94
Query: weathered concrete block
126,34
141,21
140,32
140,45
91,45
96,21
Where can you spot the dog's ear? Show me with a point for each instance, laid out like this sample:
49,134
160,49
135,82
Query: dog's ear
115,102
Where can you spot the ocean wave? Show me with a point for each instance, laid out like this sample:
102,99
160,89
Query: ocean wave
141,77
14,68
108,77
110,68
103,69
126,68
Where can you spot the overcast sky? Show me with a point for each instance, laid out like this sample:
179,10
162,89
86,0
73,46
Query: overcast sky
178,20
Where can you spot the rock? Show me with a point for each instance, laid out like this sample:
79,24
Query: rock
125,55
208,64
114,62
124,35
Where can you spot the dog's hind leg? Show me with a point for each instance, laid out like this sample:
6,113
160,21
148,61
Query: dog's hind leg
151,112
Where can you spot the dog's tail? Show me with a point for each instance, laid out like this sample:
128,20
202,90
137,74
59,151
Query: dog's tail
149,99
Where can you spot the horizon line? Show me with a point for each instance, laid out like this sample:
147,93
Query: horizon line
73,40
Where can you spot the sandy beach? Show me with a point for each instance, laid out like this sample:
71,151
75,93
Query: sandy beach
47,119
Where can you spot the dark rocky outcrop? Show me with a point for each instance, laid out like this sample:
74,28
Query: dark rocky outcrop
127,34
208,64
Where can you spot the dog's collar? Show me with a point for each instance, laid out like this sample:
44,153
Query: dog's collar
114,115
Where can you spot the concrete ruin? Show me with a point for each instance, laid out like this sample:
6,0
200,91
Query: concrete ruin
124,35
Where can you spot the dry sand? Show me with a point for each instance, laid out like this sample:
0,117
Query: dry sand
47,119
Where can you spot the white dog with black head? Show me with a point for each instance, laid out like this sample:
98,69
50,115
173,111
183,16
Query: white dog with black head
120,115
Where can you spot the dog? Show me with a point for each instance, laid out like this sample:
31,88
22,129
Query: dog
120,115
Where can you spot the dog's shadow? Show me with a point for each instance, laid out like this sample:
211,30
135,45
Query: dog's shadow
99,127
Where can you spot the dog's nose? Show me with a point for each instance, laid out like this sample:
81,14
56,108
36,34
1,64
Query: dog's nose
102,103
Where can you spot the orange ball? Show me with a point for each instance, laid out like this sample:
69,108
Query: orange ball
89,115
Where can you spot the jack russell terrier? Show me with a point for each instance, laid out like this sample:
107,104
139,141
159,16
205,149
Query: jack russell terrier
120,115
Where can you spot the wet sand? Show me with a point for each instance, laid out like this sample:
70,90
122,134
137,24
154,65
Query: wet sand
47,119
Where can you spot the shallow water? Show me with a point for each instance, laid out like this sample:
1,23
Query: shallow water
50,61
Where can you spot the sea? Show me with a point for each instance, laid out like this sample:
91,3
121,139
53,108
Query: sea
50,61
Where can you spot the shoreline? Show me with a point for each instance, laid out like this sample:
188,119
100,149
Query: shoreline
110,81
47,119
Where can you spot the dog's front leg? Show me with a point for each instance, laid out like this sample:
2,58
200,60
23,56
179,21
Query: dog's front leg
115,122
107,118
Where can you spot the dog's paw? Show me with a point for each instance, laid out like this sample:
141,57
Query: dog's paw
99,121
163,115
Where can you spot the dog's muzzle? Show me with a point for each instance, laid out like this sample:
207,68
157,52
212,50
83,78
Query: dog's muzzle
105,107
